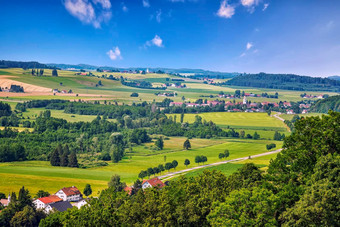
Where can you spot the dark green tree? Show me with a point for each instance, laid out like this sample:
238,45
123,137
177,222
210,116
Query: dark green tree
116,184
159,143
174,164
54,72
73,161
168,166
198,159
186,162
42,193
87,190
55,158
187,144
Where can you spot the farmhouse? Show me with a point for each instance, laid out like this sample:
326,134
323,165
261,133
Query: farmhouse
44,202
59,206
154,182
70,194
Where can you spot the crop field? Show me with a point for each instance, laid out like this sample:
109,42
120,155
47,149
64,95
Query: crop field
85,87
36,175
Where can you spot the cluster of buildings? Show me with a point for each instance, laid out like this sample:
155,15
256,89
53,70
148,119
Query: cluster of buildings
174,85
62,200
305,96
246,106
62,91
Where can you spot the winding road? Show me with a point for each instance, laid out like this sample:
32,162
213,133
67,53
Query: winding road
172,174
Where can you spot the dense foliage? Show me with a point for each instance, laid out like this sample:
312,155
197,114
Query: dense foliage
21,64
301,188
284,81
330,103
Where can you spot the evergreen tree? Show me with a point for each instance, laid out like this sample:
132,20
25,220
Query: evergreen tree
182,117
73,161
87,190
54,72
116,184
142,174
55,158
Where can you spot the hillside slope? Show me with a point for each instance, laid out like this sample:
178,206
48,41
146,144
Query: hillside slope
285,81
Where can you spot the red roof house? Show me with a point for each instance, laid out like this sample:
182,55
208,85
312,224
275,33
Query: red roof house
154,182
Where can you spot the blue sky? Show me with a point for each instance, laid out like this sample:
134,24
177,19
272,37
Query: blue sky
279,36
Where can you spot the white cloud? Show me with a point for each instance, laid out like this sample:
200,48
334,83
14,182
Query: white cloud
156,41
242,55
146,3
249,3
249,45
92,12
226,10
265,6
114,54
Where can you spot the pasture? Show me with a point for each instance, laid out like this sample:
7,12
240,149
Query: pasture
36,175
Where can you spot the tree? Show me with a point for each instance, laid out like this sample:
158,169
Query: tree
73,161
186,162
187,144
134,94
64,159
155,170
242,208
174,164
118,147
221,155
256,136
150,172
116,184
27,217
24,198
161,168
142,174
87,190
198,159
55,158
136,187
182,117
159,143
42,193
226,153
242,134
204,159
54,72
168,166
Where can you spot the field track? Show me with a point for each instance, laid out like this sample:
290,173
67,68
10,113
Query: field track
173,174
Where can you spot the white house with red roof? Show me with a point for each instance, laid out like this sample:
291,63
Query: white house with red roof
71,194
154,182
44,202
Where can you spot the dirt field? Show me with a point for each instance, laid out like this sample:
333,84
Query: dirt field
5,82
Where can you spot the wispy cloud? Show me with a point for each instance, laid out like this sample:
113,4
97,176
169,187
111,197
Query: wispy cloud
249,3
265,6
248,47
146,3
156,41
114,54
92,12
226,10
158,16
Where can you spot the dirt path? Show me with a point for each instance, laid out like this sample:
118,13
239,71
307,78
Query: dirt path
277,116
170,175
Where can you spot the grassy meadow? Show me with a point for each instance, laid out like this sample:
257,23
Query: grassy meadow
249,122
36,175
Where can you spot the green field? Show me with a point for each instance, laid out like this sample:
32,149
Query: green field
36,175
249,122
86,87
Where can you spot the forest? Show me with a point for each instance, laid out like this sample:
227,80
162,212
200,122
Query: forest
284,81
330,103
300,188
24,65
